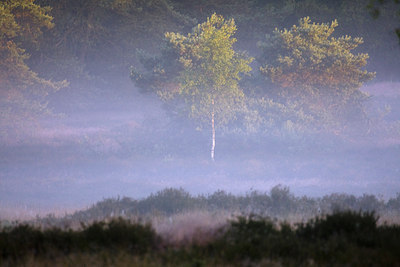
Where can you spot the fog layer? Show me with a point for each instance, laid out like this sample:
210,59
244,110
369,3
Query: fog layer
102,136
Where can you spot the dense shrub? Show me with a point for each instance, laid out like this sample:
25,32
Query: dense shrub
255,238
351,225
21,240
342,238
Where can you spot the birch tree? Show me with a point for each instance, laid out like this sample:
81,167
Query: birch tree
209,72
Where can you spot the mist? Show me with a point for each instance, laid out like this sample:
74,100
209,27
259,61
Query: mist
103,136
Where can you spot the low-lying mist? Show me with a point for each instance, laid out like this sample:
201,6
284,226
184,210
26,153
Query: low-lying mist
131,147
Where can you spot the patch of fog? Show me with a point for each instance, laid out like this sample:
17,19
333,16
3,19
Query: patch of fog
81,158
390,89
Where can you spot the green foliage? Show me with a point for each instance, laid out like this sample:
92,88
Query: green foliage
22,92
306,64
344,238
86,30
201,68
348,223
19,241
211,69
270,118
87,39
341,238
199,73
91,45
249,238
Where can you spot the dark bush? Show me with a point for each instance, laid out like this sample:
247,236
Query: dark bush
342,238
355,226
138,239
255,238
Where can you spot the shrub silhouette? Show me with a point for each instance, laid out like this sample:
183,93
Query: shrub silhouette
342,238
255,238
119,234
348,223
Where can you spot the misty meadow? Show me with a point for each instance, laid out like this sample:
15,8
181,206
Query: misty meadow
257,118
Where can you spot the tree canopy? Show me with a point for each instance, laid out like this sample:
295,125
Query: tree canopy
210,69
91,43
22,90
306,64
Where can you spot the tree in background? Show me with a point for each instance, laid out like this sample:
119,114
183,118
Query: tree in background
22,90
307,66
208,73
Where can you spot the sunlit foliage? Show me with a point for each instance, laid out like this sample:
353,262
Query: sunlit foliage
22,90
209,71
306,64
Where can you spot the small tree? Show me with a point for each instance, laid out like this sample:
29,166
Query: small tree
307,65
209,71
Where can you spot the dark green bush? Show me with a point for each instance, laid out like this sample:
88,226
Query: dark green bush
342,238
348,237
119,234
347,223
254,238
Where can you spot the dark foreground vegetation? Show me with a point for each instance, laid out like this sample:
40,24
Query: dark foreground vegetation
267,229
345,237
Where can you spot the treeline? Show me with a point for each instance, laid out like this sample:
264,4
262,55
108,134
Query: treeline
343,238
88,47
279,203
108,31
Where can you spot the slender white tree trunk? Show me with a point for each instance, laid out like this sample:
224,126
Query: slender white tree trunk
213,132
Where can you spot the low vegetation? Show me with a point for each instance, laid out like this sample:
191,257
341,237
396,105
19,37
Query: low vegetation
174,228
343,237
